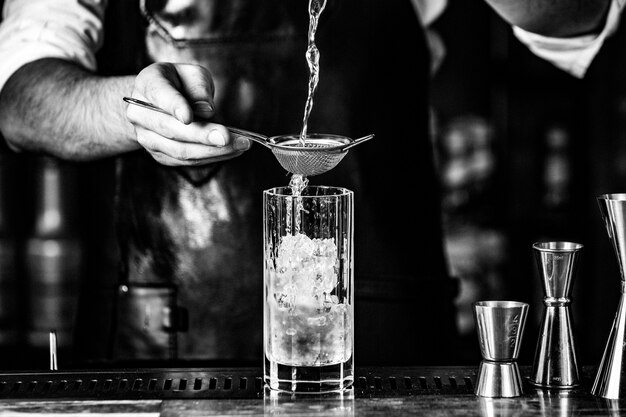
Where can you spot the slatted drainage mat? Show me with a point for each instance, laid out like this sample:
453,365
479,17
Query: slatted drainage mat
207,383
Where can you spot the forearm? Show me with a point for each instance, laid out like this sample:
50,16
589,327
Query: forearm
56,107
555,18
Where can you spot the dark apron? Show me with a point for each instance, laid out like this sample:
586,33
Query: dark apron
190,243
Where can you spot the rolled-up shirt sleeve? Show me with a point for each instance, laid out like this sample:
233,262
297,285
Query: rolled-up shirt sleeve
35,29
573,55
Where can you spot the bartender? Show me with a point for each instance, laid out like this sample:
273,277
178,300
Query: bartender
187,201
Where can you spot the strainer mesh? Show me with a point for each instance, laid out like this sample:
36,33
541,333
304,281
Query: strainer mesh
307,161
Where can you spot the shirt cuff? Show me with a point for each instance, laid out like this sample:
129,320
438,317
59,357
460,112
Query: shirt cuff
30,32
573,55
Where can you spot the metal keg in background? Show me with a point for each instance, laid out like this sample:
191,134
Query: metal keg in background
53,254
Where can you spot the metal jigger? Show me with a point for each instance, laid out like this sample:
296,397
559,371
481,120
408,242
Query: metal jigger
555,363
500,326
610,380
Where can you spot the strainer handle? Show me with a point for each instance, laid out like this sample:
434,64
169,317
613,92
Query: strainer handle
256,137
357,141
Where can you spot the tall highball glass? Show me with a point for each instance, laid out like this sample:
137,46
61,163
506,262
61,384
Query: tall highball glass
308,289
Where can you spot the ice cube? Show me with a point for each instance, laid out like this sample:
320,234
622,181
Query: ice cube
316,321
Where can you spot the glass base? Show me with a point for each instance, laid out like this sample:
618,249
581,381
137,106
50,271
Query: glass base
309,379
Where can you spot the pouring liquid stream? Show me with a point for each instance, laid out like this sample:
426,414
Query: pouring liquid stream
299,182
313,60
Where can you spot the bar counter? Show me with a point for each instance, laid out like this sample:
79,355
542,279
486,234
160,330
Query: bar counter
378,391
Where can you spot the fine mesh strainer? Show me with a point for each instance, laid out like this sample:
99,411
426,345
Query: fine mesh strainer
320,153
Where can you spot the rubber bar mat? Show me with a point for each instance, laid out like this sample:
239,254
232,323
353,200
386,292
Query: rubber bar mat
207,383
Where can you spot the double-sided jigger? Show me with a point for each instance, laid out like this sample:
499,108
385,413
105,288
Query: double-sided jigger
610,381
500,326
555,364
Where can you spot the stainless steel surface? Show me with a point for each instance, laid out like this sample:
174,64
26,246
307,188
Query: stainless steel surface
143,104
256,137
610,381
499,380
500,327
321,152
555,364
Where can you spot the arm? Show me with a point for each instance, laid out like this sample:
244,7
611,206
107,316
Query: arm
57,107
52,101
554,18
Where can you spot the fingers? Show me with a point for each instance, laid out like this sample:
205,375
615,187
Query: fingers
174,153
198,87
173,143
161,85
169,127
175,138
173,162
180,89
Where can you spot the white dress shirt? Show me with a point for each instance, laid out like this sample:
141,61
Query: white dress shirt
573,55
73,30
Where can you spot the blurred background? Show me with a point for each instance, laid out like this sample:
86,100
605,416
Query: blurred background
522,148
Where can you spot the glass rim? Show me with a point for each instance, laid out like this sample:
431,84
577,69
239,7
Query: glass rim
281,142
342,191
558,246
499,304
613,196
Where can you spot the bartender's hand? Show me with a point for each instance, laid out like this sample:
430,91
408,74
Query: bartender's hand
185,136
